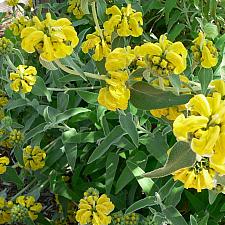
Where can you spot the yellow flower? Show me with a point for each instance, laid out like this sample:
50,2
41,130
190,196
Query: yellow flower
127,22
119,58
12,2
3,99
219,86
163,58
6,46
15,137
23,79
75,8
204,51
29,202
34,158
204,124
19,24
94,210
118,218
5,208
4,161
53,39
101,47
132,219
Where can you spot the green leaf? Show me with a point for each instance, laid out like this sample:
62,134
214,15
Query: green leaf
128,125
145,183
169,5
175,31
140,204
180,156
205,76
89,97
37,130
146,97
174,216
111,167
47,65
11,176
28,221
62,101
40,89
84,6
71,136
193,221
113,137
71,154
126,175
13,104
101,8
212,196
69,113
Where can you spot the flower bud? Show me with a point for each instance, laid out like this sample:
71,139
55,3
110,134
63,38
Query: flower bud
18,213
5,46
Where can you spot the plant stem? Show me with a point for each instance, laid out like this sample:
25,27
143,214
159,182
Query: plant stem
74,89
10,63
68,70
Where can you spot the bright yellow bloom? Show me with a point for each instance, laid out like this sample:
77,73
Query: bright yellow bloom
204,51
75,8
29,202
12,3
126,22
116,94
101,47
5,208
19,24
53,39
119,59
219,86
204,124
4,161
163,58
23,79
34,158
6,46
94,210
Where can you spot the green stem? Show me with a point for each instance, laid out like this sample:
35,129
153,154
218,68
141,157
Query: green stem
1,78
10,63
74,89
23,190
68,70
95,17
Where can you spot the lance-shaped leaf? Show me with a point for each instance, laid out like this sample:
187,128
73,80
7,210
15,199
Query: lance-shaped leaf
180,156
146,97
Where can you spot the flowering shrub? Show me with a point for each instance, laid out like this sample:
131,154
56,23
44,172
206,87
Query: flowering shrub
112,113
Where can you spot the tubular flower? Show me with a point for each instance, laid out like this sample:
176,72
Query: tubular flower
163,58
19,24
115,95
75,8
23,79
101,46
5,207
6,46
126,22
199,176
12,3
204,124
119,59
204,51
219,86
34,158
4,161
15,137
94,210
29,203
52,39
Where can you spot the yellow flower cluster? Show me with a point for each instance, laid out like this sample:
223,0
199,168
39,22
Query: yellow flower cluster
29,203
119,218
126,22
4,161
34,158
5,207
199,176
101,45
6,46
23,79
3,102
170,113
19,24
75,8
132,219
12,3
12,138
204,51
116,94
163,58
52,39
94,209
